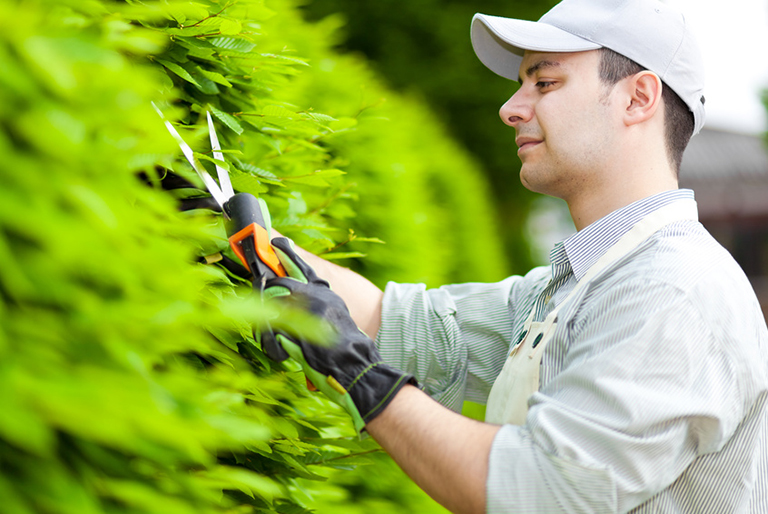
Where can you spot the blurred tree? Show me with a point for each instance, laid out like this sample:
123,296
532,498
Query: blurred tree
423,48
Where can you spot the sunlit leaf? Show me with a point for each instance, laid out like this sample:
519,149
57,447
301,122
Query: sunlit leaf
233,44
227,119
178,70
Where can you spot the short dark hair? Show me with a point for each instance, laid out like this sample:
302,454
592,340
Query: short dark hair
678,118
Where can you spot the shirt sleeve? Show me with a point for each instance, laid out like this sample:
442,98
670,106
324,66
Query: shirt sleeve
454,338
645,389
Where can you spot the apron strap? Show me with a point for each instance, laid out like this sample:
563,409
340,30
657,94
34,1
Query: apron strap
680,210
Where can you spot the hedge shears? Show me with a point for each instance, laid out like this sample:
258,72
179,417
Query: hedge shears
352,372
247,223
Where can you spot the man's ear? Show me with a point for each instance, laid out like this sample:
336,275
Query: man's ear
644,91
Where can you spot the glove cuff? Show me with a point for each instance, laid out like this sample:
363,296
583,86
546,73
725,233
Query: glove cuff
376,386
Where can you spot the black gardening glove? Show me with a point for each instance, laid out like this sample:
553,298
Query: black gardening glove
351,372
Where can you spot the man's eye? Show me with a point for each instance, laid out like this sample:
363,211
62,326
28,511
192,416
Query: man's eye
542,84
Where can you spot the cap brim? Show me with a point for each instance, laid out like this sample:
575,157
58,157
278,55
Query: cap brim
500,43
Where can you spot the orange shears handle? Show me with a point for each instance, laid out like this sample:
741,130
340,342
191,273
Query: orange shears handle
264,250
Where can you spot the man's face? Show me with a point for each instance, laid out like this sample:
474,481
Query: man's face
563,121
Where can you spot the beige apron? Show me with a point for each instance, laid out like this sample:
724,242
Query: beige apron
519,379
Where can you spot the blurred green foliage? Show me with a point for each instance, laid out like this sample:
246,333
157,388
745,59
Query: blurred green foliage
129,377
424,50
415,189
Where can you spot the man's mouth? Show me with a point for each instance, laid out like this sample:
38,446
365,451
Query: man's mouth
524,143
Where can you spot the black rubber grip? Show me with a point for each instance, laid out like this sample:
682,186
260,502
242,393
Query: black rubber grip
243,209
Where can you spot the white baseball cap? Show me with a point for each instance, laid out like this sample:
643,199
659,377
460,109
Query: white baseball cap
652,34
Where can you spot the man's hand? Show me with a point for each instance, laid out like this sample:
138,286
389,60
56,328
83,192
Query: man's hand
351,372
362,297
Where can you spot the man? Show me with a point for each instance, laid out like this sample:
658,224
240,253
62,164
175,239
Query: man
631,374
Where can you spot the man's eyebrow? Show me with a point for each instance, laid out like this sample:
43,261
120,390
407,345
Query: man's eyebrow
533,68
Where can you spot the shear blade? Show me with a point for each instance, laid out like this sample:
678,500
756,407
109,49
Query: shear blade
224,182
220,196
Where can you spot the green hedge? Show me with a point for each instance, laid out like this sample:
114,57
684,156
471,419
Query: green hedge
129,379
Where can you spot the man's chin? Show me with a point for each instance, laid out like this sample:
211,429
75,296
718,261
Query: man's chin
535,180
528,178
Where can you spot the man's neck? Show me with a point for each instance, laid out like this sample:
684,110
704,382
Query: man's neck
591,206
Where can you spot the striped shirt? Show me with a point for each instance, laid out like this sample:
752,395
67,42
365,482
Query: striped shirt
653,388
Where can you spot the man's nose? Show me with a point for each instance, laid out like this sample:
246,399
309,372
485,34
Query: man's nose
516,110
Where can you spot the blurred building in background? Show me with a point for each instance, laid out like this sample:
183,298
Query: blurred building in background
729,174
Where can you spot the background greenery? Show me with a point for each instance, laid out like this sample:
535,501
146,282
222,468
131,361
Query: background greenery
424,51
129,378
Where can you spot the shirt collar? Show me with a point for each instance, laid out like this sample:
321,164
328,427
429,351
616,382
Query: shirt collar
586,246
